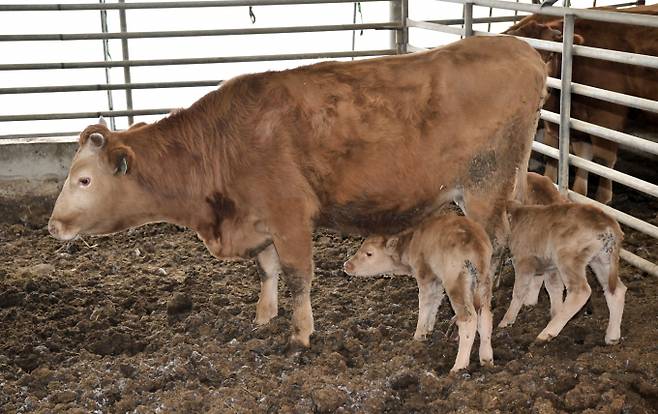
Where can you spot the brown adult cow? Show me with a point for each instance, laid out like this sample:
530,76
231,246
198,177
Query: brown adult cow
628,79
368,146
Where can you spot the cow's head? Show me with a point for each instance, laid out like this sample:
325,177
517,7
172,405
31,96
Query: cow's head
548,31
99,195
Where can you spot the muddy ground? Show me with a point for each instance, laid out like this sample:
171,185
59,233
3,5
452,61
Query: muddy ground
147,321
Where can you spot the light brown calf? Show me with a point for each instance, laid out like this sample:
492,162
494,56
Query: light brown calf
541,191
566,238
451,252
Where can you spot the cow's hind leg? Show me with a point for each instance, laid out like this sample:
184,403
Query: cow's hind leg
269,270
460,292
430,295
605,270
572,271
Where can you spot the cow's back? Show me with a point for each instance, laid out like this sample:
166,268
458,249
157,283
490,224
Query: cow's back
385,141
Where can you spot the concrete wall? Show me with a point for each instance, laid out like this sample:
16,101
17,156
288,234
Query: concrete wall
31,175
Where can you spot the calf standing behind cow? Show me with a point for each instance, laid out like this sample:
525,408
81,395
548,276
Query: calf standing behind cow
369,146
448,252
561,240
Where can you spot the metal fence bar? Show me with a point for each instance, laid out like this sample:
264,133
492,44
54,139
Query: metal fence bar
468,19
626,219
590,52
197,61
565,105
608,96
625,179
628,140
166,5
78,115
639,262
495,19
589,14
106,57
393,25
399,10
107,87
4,138
126,56
434,26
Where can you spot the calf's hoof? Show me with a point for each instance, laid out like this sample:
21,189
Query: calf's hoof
299,341
487,362
612,341
420,337
543,337
264,319
504,323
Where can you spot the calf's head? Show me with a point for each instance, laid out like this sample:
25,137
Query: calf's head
99,196
376,255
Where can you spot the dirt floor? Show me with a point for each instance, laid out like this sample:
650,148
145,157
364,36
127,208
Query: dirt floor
147,321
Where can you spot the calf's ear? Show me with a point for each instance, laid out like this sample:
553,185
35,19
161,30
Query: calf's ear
391,243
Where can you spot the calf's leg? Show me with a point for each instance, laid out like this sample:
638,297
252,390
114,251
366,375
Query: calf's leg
461,298
605,270
532,297
572,271
524,272
430,295
269,270
555,289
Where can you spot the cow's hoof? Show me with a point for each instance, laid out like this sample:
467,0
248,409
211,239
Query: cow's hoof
612,341
505,324
543,338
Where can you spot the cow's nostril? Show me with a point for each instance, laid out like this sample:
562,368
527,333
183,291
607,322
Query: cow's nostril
348,266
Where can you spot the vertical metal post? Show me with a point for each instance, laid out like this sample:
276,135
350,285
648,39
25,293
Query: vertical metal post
126,56
468,19
399,11
565,103
107,57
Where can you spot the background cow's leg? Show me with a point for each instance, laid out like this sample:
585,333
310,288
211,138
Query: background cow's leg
293,243
551,138
604,152
583,149
269,270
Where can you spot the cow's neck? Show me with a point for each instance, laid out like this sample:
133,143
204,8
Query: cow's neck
179,165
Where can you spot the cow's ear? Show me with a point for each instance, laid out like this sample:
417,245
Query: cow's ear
97,140
120,159
578,39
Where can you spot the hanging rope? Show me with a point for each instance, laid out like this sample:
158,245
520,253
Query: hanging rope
357,7
252,16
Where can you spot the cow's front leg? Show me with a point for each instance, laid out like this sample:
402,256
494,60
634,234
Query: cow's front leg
294,247
269,270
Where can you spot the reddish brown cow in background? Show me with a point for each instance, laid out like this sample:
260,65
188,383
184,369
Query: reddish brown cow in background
628,79
369,146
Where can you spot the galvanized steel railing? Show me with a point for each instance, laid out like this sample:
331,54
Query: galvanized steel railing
396,27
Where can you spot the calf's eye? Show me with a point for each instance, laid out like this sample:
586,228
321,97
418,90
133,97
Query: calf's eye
368,254
84,181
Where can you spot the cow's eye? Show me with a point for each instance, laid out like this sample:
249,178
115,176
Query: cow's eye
84,181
